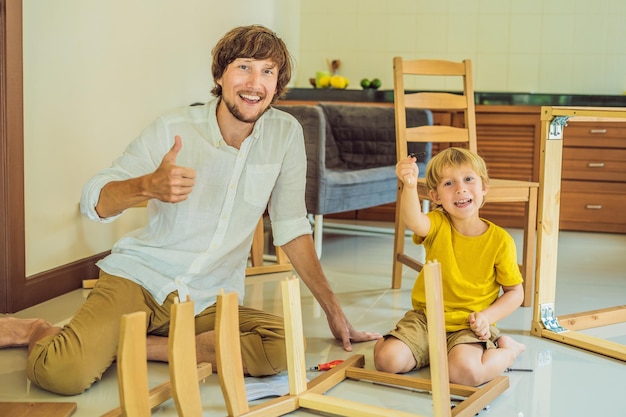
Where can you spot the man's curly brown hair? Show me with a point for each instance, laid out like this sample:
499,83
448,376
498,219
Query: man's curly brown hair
257,42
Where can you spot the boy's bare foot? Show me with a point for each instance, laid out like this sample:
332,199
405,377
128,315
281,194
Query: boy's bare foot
507,342
18,332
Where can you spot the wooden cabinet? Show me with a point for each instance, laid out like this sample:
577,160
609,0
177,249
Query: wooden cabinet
508,140
594,177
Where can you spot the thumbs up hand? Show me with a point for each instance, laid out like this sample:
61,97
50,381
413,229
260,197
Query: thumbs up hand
169,182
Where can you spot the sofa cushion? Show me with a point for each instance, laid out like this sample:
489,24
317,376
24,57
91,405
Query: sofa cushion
362,134
365,135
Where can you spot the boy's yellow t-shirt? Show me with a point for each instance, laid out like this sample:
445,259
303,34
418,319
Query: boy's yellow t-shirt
473,268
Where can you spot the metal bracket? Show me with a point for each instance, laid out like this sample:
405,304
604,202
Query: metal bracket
556,127
549,319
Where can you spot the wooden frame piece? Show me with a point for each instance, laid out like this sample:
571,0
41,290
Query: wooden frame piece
181,350
37,409
303,395
132,366
548,232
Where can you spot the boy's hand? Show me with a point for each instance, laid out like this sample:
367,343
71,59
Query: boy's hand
479,323
407,171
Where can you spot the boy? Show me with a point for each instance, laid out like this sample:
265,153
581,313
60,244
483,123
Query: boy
478,259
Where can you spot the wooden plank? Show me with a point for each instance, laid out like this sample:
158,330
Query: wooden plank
437,343
586,114
132,366
182,360
482,397
338,406
548,218
228,350
268,269
274,407
593,318
294,336
37,409
588,342
407,381
163,392
334,375
528,246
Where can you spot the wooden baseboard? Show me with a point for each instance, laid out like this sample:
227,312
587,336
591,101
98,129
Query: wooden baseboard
52,283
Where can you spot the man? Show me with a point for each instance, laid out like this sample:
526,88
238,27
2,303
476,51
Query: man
208,172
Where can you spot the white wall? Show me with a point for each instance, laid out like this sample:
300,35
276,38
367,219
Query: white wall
96,73
541,46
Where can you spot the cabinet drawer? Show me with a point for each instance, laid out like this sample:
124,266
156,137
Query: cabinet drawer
594,210
593,206
594,164
597,135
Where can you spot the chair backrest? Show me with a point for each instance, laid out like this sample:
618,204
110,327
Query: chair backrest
433,100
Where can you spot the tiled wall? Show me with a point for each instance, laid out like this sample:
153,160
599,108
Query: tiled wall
540,46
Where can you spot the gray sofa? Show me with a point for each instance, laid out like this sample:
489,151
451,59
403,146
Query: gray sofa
351,156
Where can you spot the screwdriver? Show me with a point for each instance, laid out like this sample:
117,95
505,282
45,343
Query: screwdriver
325,366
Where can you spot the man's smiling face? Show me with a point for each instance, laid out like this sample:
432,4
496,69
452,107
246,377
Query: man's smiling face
248,87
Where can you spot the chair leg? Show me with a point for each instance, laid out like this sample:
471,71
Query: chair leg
528,251
182,360
132,366
398,245
437,344
318,234
256,252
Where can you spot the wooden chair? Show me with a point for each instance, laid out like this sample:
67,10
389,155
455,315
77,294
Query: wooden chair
311,395
500,190
257,263
132,367
137,401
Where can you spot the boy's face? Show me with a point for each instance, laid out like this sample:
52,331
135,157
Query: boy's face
461,191
248,87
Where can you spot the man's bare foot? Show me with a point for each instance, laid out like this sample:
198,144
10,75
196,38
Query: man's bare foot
18,332
205,347
506,342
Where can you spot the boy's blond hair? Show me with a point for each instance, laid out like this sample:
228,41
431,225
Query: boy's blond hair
454,157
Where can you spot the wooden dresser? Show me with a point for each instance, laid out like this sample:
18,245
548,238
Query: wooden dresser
593,187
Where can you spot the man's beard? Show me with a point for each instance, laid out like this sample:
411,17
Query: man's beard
234,110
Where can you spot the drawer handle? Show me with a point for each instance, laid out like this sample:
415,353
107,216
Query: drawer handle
595,165
597,131
593,206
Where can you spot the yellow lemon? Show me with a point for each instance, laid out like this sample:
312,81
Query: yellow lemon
339,82
324,81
